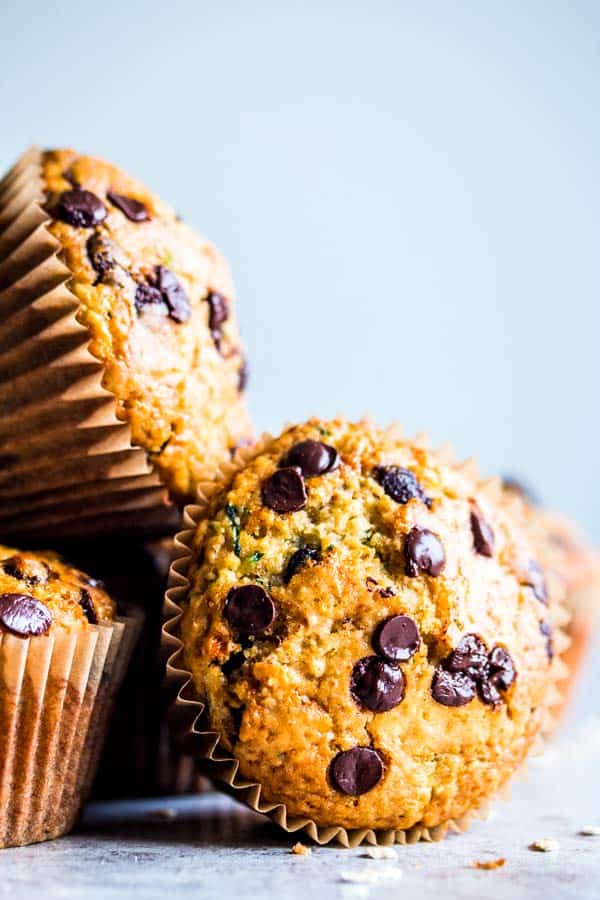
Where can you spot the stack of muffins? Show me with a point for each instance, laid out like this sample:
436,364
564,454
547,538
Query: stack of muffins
364,638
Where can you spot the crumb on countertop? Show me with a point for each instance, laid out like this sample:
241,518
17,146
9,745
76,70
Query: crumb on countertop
488,864
590,831
301,849
545,845
380,853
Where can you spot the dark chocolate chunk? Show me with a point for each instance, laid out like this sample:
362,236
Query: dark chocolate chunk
502,670
148,295
173,294
234,663
100,253
400,484
133,209
356,771
312,458
470,657
533,577
452,688
284,490
24,615
299,559
397,639
85,601
546,630
489,692
243,375
249,609
483,536
218,313
80,208
423,553
376,684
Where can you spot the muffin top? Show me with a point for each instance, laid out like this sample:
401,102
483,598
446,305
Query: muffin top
368,627
40,592
157,301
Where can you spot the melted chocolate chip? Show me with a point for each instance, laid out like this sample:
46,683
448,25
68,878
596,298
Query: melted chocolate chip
536,581
234,663
133,209
243,375
312,458
173,294
24,615
400,484
452,688
249,609
85,601
489,691
387,592
218,313
377,685
397,639
470,657
299,559
546,630
31,571
100,253
502,670
356,771
483,536
147,295
423,553
79,208
284,491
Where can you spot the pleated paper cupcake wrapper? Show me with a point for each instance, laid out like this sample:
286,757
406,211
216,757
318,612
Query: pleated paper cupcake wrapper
187,723
56,694
68,465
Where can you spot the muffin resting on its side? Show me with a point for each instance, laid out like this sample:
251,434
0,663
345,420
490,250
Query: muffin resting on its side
368,627
157,301
40,591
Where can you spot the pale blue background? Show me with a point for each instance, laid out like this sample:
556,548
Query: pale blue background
408,194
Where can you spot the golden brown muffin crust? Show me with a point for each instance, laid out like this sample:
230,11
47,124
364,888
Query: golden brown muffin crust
71,600
344,560
158,302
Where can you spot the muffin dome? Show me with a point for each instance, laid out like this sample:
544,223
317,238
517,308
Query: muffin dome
39,592
368,628
157,301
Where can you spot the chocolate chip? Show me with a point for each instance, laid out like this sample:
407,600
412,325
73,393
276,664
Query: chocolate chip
80,208
235,662
249,609
173,294
27,569
483,536
147,295
423,552
24,615
299,559
284,491
452,688
218,313
133,209
387,592
546,630
100,253
85,601
397,639
312,458
377,685
243,375
400,484
536,581
502,670
470,656
356,771
489,692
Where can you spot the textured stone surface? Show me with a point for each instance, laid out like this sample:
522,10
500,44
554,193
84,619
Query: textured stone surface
207,847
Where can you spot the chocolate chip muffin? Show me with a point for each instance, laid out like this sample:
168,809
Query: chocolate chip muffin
40,592
157,300
368,628
63,653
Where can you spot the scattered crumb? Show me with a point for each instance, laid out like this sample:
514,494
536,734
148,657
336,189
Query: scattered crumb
167,813
370,874
301,849
590,831
545,845
489,863
380,853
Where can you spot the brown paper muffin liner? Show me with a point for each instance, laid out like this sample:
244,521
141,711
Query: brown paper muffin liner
56,695
68,465
186,713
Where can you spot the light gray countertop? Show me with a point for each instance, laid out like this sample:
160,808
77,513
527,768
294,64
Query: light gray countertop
208,847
